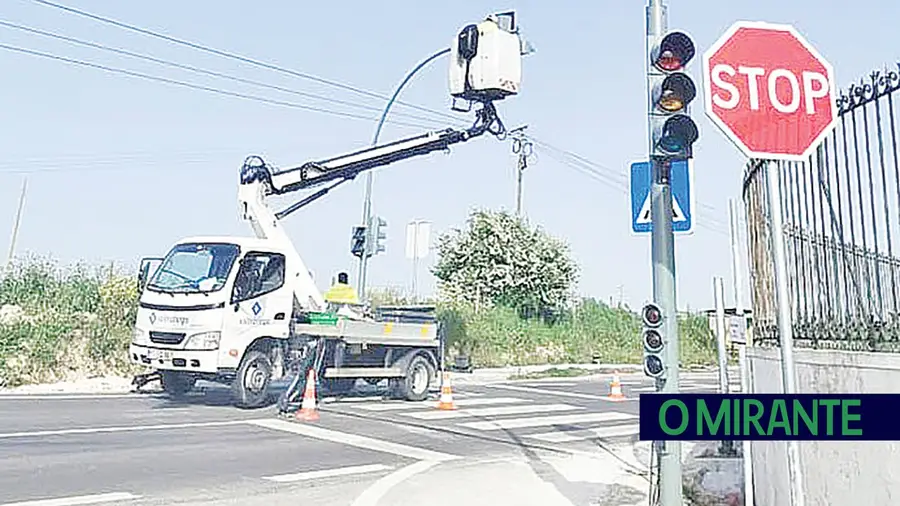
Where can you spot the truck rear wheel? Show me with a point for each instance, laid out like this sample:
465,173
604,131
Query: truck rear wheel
250,388
415,384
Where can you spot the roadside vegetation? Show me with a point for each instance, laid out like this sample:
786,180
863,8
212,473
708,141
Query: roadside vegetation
507,297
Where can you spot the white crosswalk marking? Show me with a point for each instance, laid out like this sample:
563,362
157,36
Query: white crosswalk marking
521,423
575,423
595,433
496,411
400,406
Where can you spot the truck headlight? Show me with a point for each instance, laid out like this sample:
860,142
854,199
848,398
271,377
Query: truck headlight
204,341
139,337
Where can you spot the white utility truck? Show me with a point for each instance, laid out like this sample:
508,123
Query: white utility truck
245,311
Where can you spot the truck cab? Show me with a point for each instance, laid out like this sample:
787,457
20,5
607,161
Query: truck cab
208,301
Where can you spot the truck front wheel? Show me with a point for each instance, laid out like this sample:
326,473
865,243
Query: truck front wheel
415,384
176,384
250,388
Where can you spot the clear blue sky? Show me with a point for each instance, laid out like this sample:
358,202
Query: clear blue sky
119,167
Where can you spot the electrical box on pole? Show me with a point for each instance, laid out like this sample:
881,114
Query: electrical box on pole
671,90
654,344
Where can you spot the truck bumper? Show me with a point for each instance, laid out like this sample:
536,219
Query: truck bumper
174,360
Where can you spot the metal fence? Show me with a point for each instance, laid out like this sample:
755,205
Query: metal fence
841,213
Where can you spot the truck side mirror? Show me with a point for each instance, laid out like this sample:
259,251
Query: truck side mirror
146,270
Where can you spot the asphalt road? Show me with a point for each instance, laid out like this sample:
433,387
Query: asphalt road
561,441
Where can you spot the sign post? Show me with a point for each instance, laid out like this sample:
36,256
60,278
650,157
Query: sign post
773,95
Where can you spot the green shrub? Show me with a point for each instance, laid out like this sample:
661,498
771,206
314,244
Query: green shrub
77,322
590,332
70,323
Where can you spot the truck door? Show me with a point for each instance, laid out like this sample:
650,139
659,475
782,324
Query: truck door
261,301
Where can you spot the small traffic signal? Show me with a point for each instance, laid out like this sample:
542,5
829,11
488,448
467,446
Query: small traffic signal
379,235
358,242
672,131
653,342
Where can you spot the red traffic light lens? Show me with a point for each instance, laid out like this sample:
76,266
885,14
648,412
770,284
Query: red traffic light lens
652,315
675,50
668,61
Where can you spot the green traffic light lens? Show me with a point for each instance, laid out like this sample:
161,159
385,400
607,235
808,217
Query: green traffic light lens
678,134
653,365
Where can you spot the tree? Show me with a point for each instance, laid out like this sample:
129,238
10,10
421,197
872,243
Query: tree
500,260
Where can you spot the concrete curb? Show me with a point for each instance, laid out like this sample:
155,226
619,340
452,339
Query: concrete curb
122,385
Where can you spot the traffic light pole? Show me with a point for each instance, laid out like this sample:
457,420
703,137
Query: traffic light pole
367,201
663,258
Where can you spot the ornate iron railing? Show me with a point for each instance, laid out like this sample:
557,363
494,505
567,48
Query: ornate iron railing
842,223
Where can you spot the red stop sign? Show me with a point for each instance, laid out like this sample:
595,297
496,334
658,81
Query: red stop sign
769,90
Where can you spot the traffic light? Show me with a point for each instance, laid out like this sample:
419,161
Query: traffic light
671,90
654,365
379,235
358,242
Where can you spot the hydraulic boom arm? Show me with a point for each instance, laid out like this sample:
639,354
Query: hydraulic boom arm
346,167
258,181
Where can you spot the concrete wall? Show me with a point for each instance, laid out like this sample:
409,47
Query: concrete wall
834,473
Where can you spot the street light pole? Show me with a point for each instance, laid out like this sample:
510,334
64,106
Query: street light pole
367,205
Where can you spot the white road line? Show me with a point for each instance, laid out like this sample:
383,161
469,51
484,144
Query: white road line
549,383
433,404
557,393
77,500
327,473
520,423
354,400
75,397
372,495
358,441
495,411
596,432
133,428
643,389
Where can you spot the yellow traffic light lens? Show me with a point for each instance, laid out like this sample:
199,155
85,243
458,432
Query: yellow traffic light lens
675,93
670,102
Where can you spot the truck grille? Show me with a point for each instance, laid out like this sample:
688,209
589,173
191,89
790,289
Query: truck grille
166,337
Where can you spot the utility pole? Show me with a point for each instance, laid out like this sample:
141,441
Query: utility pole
523,147
16,223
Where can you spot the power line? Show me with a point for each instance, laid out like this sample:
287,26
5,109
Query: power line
621,187
620,180
199,70
225,54
198,87
586,164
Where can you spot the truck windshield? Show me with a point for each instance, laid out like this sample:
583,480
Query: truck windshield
194,267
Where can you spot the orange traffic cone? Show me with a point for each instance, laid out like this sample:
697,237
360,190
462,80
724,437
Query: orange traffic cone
446,402
308,411
615,389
